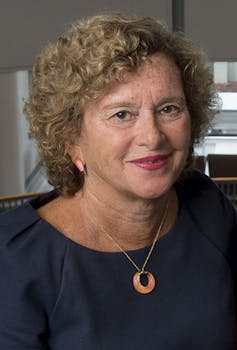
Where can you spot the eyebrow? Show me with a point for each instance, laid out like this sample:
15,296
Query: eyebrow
124,103
180,99
118,104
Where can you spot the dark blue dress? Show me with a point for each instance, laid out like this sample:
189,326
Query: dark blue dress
56,294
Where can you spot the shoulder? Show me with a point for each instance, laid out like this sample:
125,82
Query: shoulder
212,213
202,194
32,263
209,208
24,232
23,224
31,254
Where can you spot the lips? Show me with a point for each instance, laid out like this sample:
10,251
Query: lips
151,162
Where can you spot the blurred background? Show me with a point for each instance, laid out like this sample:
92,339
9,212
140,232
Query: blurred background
26,26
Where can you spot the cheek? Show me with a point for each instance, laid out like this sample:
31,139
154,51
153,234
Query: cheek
180,136
183,133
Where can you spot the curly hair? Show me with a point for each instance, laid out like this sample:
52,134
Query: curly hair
84,62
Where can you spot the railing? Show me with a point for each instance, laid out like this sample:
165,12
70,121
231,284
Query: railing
10,202
228,186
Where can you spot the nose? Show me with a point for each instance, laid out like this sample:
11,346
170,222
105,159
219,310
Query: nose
149,132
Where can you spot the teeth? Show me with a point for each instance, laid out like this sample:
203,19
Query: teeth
153,161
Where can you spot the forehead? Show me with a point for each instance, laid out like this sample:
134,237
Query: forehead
159,62
158,73
157,78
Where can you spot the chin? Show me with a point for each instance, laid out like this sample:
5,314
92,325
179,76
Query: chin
155,189
153,193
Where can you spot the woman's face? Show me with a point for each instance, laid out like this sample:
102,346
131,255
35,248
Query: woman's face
135,139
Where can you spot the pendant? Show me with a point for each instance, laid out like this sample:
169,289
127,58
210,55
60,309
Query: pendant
139,287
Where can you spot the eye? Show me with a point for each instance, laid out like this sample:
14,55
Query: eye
170,109
121,115
123,118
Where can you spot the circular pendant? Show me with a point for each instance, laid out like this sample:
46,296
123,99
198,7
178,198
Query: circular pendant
144,289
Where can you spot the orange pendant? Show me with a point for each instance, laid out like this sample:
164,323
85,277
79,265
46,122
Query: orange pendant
140,288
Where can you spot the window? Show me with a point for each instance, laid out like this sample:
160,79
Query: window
225,78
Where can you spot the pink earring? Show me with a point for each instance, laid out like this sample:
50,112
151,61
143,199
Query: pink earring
79,164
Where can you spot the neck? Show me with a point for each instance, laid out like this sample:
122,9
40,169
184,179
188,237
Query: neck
132,224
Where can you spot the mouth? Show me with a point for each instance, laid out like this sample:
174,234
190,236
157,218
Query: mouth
151,162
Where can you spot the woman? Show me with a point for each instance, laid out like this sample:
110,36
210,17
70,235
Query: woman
132,250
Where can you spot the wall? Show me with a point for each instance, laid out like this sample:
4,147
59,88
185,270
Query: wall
15,147
27,25
213,24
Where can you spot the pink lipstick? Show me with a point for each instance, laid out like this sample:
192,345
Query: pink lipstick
151,162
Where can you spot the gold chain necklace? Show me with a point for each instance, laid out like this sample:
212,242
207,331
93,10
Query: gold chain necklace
141,272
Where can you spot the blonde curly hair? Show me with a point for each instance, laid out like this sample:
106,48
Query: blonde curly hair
82,64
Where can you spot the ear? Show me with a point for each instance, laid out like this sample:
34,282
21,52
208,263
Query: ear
75,153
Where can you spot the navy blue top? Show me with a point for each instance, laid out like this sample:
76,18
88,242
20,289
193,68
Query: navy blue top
57,294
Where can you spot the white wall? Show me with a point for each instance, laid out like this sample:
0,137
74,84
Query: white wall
13,87
18,154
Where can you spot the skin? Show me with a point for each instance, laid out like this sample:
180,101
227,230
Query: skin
144,116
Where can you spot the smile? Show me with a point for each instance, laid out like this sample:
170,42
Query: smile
151,162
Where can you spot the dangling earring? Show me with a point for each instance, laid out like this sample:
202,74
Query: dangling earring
79,164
